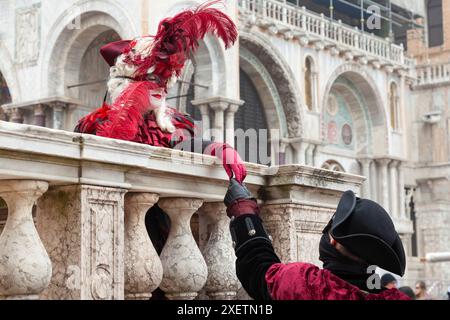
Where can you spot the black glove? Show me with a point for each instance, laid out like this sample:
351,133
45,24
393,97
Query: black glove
236,191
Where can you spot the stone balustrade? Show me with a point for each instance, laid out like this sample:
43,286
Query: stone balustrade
91,195
432,75
310,27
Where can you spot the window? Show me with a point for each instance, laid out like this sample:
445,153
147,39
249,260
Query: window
193,111
309,90
394,103
435,23
252,116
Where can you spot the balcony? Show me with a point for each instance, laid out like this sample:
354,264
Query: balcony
309,27
433,75
90,196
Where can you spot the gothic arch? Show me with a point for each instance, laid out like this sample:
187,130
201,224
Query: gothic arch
362,97
282,77
66,44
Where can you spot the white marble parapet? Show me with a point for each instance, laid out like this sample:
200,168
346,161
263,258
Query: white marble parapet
91,219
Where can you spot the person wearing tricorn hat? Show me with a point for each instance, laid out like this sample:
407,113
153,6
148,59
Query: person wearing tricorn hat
360,236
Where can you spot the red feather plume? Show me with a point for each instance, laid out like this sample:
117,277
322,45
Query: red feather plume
127,113
178,36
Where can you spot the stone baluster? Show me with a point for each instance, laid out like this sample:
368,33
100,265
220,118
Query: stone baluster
143,268
222,282
25,268
185,270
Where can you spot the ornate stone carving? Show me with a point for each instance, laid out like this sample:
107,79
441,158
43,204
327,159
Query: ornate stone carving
222,282
143,268
283,81
28,34
82,228
185,270
25,268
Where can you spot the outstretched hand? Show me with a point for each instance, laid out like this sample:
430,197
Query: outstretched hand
232,162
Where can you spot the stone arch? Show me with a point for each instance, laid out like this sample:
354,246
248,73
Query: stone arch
3,214
68,42
267,90
282,77
208,64
333,165
361,95
9,73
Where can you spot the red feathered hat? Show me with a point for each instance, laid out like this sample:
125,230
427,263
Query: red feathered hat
113,50
167,52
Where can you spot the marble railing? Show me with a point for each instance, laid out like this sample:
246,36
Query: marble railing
298,21
91,196
434,74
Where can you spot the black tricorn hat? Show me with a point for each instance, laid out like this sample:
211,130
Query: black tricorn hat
365,229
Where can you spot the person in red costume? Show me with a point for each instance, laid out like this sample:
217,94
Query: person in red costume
359,235
143,70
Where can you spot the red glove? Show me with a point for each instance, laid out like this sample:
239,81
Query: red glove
232,162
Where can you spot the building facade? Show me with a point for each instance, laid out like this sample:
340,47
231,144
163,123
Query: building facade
330,91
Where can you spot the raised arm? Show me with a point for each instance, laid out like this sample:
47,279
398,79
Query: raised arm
254,251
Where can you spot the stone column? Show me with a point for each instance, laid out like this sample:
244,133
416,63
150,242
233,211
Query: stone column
206,120
39,115
219,108
374,181
16,116
394,194
25,268
143,268
281,156
300,150
310,155
384,183
185,270
365,166
222,282
82,227
224,110
401,191
229,123
58,115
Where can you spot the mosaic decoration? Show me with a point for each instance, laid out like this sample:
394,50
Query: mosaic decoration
332,132
347,134
339,123
332,106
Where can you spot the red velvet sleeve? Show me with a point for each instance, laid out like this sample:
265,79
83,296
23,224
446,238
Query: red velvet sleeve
302,281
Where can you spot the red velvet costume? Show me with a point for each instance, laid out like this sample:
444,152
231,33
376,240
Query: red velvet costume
303,281
264,277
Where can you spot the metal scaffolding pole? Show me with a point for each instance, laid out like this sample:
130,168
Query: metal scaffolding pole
391,31
331,9
362,15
